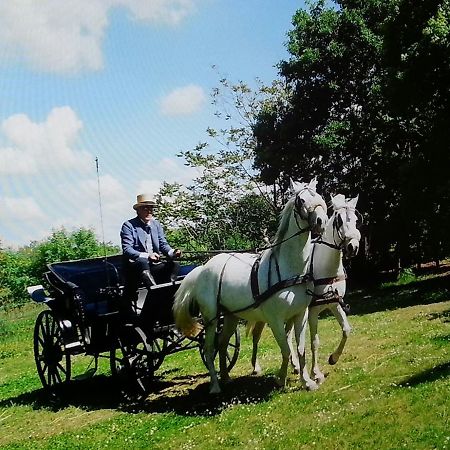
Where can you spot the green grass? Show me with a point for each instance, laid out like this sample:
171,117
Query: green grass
390,390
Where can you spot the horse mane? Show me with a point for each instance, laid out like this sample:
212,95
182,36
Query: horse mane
285,217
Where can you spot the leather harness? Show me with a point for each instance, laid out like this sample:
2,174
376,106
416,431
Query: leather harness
331,296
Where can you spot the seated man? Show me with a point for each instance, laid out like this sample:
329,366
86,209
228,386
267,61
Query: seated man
143,242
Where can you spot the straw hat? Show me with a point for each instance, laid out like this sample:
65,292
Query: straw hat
144,200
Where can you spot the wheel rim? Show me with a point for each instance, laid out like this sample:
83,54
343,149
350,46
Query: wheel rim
133,362
52,362
233,349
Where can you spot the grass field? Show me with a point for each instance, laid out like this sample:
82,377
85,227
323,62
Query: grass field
390,390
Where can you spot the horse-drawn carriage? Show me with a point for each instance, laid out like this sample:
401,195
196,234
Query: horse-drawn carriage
84,318
274,287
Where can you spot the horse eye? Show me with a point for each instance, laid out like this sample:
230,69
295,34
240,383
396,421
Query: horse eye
339,221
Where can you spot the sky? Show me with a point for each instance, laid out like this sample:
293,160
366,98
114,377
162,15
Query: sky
126,81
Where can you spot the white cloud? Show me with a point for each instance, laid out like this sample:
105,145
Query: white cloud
21,219
183,101
74,203
20,209
80,206
170,12
170,170
41,147
66,36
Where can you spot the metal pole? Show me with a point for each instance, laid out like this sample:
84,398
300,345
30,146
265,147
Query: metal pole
100,205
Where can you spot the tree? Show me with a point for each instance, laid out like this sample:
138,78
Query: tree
417,89
223,207
347,121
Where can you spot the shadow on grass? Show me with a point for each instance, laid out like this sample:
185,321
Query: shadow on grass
444,316
97,392
420,292
197,401
188,395
428,376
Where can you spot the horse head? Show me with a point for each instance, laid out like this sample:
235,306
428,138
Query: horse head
309,205
344,222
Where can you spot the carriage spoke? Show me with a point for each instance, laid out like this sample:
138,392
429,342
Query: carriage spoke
57,374
62,369
53,329
54,373
43,332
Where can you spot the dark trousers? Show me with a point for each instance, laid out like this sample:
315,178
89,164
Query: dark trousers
162,272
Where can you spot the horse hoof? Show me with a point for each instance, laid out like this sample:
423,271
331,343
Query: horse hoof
331,361
319,379
280,383
256,372
313,386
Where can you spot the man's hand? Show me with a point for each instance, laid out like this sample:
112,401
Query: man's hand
177,253
154,257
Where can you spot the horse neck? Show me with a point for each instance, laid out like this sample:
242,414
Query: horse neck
327,261
293,254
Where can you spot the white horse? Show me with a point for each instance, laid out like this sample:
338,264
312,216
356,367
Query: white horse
269,287
340,236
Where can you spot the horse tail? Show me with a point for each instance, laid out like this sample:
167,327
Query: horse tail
184,305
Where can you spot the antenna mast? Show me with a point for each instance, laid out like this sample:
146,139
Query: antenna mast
100,205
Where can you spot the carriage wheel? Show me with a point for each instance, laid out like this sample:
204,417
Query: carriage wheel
52,362
234,346
158,346
133,361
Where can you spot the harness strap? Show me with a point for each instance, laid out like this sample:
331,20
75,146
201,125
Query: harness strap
328,297
293,281
259,297
330,280
219,291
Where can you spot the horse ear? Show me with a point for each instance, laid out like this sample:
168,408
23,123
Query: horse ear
353,201
295,186
338,201
313,184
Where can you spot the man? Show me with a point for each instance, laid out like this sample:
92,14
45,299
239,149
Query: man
143,242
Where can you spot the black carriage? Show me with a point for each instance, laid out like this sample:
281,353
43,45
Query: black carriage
84,319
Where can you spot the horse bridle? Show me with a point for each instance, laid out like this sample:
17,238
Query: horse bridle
337,231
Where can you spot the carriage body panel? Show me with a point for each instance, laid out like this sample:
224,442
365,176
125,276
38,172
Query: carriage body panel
84,318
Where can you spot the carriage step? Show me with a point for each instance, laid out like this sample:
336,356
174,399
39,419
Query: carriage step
73,345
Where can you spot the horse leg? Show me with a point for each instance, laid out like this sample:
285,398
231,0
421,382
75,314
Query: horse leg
289,329
300,332
346,329
209,350
229,326
279,333
313,320
256,335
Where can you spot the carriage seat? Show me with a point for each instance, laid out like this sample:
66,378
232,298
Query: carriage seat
96,284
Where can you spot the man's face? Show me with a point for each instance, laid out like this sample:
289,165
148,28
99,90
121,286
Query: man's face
145,212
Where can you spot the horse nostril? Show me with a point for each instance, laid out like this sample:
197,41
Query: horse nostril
319,221
350,249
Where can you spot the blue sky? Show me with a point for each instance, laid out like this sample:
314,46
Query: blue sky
127,81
